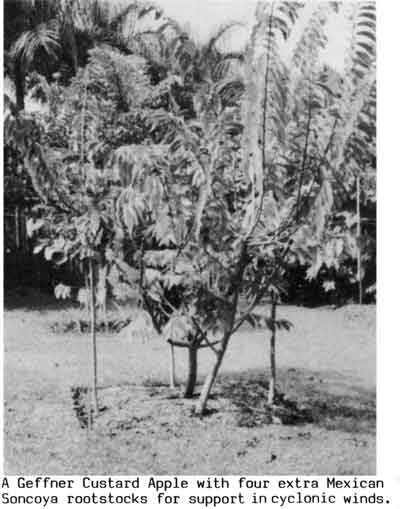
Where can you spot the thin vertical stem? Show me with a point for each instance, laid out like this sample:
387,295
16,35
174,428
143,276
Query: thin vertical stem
359,279
172,380
93,334
105,315
272,354
17,235
84,106
17,257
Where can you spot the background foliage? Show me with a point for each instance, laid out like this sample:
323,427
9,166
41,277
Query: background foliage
142,143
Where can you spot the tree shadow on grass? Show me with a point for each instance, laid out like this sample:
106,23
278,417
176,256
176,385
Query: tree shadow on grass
325,399
33,299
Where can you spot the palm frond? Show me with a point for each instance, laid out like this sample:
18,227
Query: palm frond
41,39
172,24
119,18
233,55
219,33
139,9
362,45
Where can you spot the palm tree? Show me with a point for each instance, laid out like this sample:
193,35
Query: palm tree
172,53
92,22
56,35
30,40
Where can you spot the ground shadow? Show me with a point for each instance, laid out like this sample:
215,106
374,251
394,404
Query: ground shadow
323,398
33,299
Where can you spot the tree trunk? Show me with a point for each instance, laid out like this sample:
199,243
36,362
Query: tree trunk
19,82
272,355
172,379
94,340
209,382
192,373
74,50
205,392
358,243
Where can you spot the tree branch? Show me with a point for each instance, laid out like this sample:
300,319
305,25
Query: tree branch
204,337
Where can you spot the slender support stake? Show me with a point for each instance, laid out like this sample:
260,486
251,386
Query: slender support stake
359,279
172,379
272,354
94,341
105,316
17,243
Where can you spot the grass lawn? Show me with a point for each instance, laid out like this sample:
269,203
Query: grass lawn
326,366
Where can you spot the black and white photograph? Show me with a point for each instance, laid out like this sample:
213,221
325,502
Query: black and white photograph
189,249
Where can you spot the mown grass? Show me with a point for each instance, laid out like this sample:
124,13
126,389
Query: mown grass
326,381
